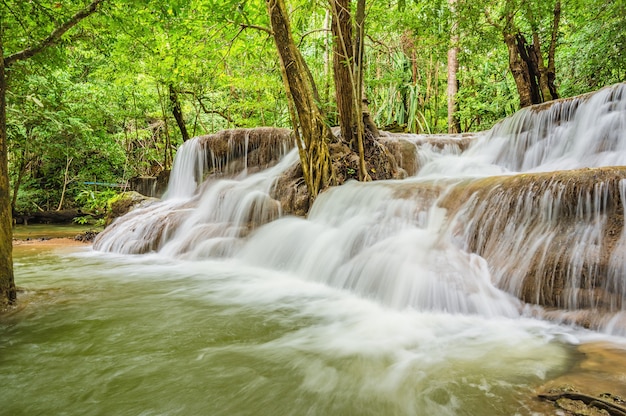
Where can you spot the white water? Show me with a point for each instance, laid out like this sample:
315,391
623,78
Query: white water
403,252
149,334
581,133
187,171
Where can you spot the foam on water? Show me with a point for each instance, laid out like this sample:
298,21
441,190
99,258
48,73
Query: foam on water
162,335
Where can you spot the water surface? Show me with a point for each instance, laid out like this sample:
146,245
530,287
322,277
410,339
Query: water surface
143,335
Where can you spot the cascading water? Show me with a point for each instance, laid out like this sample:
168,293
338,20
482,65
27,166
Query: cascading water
187,172
453,238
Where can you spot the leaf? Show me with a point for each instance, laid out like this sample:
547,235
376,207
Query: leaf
35,100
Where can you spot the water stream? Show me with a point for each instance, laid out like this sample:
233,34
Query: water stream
390,298
149,335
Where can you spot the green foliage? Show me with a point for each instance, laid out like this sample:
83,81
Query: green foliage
489,94
96,202
83,220
593,50
89,220
97,106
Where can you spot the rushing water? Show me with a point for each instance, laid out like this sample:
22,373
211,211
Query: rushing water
146,335
390,298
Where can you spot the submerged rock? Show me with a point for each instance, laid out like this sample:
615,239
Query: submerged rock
87,236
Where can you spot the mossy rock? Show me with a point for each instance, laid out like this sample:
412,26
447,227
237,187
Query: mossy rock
126,202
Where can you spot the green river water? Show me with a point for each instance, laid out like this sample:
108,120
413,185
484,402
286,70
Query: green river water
101,334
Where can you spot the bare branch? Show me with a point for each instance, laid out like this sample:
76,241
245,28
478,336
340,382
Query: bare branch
261,28
310,32
54,36
218,112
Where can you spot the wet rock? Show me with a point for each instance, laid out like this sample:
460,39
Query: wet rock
577,403
405,148
565,228
87,236
126,202
291,191
232,151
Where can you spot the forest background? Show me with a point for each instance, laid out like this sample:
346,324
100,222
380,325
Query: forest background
117,94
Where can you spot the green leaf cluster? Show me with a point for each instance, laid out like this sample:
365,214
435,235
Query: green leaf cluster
97,104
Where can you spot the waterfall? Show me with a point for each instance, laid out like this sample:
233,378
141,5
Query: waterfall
364,239
580,132
530,212
187,171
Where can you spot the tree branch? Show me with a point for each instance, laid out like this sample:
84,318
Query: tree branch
261,28
218,112
310,32
54,36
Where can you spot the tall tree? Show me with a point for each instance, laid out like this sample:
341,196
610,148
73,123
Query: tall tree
309,126
453,67
7,282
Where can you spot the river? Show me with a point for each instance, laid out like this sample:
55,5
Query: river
105,334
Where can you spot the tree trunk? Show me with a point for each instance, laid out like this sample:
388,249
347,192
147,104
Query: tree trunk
453,67
178,113
66,181
343,51
359,115
348,74
551,70
533,79
166,145
18,182
518,64
7,283
327,55
541,69
312,133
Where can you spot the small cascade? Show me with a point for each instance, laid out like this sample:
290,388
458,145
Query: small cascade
372,240
235,151
549,237
616,276
225,211
580,132
413,151
187,171
586,131
213,212
528,213
615,282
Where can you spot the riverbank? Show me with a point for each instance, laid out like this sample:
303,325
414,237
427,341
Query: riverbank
53,235
55,242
